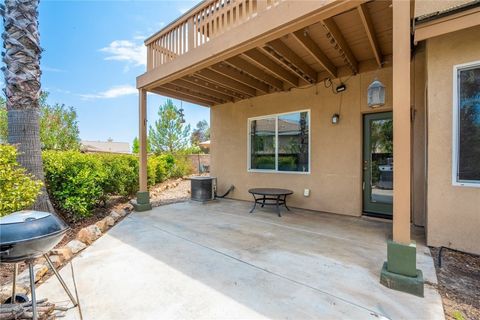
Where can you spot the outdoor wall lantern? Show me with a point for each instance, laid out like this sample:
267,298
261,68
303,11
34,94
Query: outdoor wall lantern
376,94
335,118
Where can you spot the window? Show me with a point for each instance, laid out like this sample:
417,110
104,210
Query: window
466,125
280,143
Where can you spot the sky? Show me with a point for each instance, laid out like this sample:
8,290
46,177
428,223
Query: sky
93,51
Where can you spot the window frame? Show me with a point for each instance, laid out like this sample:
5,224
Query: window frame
456,126
276,116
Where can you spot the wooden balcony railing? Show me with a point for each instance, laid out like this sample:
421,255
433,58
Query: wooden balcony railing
199,25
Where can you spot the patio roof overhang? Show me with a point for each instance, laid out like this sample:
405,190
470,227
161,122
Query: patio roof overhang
211,57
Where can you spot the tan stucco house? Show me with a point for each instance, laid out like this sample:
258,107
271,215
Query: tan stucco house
359,107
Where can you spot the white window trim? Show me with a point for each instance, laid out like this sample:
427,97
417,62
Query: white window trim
456,127
276,115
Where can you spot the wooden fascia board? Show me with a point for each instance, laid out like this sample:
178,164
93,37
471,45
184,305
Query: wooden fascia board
314,50
335,32
368,25
271,24
444,25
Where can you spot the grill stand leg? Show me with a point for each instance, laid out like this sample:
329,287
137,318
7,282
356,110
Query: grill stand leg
60,279
32,288
14,288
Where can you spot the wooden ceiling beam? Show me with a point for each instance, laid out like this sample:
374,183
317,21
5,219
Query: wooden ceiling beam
197,88
175,95
233,73
212,86
258,73
335,35
225,81
368,25
301,68
194,95
261,59
314,50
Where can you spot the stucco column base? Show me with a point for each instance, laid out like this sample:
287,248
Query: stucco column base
399,272
142,203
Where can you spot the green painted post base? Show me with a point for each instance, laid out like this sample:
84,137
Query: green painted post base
142,203
399,272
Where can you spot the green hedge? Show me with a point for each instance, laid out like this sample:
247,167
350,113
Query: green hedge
78,182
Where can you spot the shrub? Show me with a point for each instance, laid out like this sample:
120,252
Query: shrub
78,182
18,189
75,181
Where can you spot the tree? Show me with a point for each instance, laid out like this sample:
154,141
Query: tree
3,121
21,41
136,146
169,134
58,125
201,133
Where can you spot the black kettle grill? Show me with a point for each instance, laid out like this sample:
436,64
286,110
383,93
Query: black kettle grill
27,235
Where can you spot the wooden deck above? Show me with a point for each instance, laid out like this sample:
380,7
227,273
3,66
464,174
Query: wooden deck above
227,50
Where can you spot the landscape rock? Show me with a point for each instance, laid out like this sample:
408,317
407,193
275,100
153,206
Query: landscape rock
24,277
102,225
115,215
76,246
65,253
122,212
56,260
89,234
109,221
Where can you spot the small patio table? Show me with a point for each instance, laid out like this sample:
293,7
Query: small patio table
274,196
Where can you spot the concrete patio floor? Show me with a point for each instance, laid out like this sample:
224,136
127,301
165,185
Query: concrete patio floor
216,261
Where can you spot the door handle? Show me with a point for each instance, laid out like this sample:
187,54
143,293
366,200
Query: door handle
365,164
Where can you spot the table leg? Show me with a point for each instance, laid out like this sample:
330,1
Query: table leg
278,207
254,203
285,202
263,203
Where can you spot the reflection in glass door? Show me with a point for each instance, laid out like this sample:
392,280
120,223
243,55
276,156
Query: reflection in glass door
378,164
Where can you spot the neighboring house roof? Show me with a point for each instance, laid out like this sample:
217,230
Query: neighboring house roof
284,126
105,146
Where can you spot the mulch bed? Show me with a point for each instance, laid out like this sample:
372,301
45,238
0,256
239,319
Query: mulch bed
459,284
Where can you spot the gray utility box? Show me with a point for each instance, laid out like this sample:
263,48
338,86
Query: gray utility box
203,188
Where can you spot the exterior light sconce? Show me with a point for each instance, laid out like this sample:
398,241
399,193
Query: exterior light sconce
376,94
335,118
342,87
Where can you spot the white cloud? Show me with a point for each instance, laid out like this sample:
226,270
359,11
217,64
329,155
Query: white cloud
114,92
128,51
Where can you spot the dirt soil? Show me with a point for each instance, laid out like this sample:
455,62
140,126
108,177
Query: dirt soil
161,194
459,284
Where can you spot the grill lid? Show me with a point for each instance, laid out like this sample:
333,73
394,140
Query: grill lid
28,225
23,216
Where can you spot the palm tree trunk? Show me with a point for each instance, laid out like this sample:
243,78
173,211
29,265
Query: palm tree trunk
21,42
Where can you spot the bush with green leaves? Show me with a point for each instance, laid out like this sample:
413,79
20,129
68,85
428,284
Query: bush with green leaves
18,189
78,182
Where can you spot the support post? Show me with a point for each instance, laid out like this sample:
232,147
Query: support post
143,198
399,272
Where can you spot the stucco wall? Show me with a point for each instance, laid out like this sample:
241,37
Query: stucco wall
335,180
453,211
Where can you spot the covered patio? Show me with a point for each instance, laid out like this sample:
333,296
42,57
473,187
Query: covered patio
215,260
